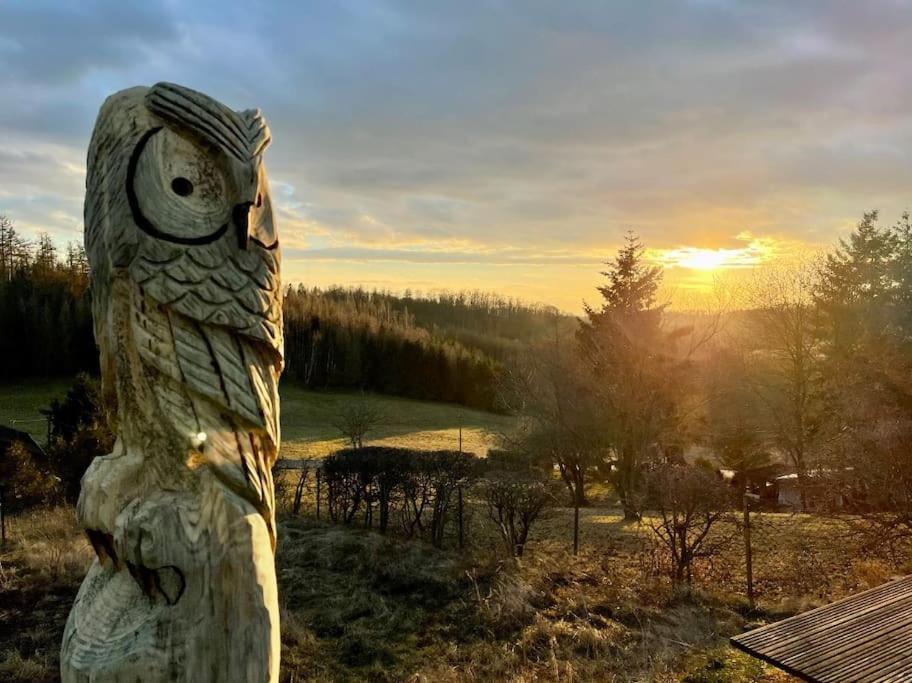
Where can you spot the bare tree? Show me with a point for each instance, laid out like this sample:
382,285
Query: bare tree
514,504
358,419
735,426
15,251
782,326
688,502
870,478
552,393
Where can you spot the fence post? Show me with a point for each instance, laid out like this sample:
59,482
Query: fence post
2,519
576,508
748,551
461,535
299,491
319,482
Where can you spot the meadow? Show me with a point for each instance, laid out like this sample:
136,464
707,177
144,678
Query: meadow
307,419
21,404
360,606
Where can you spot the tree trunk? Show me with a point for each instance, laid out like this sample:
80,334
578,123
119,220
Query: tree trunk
802,488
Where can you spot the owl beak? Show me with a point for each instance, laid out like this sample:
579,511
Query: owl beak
241,218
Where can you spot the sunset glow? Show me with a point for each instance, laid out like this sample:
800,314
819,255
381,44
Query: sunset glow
696,258
508,175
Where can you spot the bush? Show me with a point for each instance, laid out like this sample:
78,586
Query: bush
515,503
25,482
78,433
519,461
415,488
689,501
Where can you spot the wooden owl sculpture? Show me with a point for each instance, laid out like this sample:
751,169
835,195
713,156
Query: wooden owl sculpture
187,305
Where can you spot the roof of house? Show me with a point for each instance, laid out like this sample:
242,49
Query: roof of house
861,639
9,436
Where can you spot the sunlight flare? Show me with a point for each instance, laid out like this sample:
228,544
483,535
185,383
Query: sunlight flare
755,252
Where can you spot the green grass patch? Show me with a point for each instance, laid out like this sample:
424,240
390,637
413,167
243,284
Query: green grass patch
21,403
308,416
307,419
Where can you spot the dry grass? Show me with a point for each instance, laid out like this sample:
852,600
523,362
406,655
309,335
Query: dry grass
359,606
364,607
40,571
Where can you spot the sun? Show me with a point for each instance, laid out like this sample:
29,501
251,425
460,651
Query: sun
704,259
754,252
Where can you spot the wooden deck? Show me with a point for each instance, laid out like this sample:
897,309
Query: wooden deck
860,639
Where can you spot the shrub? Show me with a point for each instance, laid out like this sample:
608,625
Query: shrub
414,487
78,433
515,503
25,482
689,501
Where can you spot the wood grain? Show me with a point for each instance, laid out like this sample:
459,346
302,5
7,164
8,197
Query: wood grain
185,273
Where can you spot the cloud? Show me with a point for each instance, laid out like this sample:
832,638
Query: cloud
501,257
53,43
425,127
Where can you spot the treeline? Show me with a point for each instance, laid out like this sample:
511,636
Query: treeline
353,339
45,312
442,347
498,326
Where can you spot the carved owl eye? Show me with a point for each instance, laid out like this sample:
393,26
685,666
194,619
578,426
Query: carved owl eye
182,187
177,190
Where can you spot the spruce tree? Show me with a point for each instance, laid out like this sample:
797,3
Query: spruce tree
638,376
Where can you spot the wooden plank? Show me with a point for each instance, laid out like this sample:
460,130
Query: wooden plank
865,638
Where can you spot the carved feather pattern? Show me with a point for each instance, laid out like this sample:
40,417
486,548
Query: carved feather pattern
219,384
237,290
258,135
206,320
244,135
186,296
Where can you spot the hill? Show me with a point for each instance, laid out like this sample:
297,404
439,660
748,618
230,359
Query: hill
446,347
307,419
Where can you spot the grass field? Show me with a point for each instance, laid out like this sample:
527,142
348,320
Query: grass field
308,432
21,403
359,606
307,419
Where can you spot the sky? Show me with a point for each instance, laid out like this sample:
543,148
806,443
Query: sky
503,146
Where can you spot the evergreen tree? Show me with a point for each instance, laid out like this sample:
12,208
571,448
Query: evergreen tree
860,286
632,284
640,376
864,291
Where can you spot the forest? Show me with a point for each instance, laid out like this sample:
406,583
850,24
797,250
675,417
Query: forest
447,346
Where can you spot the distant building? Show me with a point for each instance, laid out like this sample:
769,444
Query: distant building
9,436
819,491
762,481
